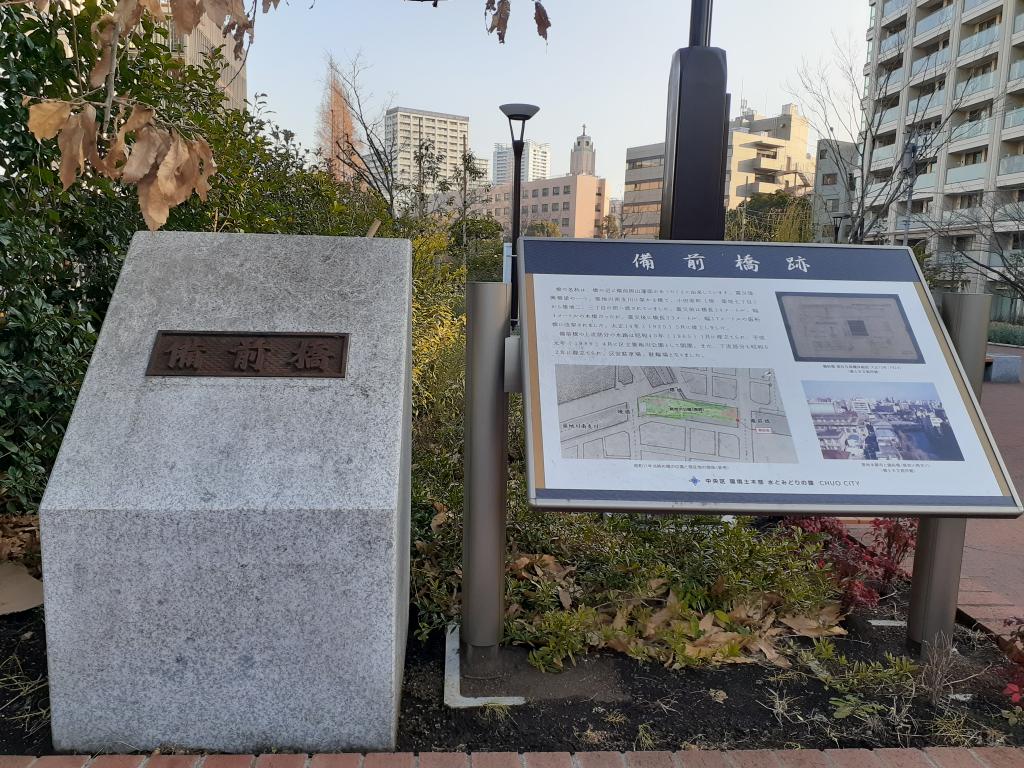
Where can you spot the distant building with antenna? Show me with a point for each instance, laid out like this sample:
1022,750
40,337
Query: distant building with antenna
583,158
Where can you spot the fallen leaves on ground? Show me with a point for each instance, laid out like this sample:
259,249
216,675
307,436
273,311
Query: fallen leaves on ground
654,623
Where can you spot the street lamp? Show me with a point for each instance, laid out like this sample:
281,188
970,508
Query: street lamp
517,113
837,223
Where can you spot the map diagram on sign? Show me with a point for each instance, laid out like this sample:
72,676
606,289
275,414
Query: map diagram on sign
672,414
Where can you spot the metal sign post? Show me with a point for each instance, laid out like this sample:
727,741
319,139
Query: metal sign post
940,541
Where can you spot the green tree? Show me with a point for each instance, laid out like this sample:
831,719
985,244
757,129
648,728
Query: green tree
542,229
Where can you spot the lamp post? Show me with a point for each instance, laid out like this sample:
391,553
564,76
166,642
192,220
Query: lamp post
837,223
517,113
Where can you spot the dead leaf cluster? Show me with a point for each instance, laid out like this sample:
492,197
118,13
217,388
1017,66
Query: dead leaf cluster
497,13
655,624
19,538
164,166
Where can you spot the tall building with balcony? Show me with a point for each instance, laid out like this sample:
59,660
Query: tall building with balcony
194,47
765,155
407,129
947,77
536,162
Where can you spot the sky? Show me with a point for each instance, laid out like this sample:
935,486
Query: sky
606,62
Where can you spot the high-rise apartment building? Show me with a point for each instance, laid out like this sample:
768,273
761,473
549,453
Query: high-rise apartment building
194,47
575,205
765,155
583,158
947,79
536,162
835,185
407,129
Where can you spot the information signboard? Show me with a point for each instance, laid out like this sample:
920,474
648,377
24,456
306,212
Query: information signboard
749,378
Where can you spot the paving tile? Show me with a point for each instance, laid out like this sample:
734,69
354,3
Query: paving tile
117,761
754,758
388,760
951,757
495,760
283,760
649,760
802,758
227,761
548,760
15,761
852,758
334,760
61,761
173,761
983,598
903,758
435,760
600,760
697,758
1000,757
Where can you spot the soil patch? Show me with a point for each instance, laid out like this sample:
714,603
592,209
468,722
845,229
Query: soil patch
612,702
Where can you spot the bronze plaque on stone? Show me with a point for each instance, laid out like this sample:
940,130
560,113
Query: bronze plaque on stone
211,353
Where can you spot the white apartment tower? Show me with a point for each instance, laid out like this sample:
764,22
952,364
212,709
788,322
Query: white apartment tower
583,158
406,129
536,162
947,77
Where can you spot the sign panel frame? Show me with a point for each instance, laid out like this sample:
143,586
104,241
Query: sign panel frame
893,264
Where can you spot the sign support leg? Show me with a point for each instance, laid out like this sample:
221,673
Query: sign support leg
940,541
486,476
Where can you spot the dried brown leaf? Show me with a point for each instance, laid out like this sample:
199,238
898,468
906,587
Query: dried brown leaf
268,4
103,30
127,13
186,15
499,19
72,150
154,7
146,152
657,620
540,15
439,519
565,599
46,118
87,117
41,5
155,207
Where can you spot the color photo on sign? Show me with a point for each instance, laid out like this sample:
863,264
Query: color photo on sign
668,413
893,421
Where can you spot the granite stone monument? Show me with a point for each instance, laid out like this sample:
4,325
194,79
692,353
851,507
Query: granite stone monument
226,528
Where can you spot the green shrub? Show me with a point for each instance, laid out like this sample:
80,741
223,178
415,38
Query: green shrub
1006,333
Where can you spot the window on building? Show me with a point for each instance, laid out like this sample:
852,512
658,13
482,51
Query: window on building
822,154
829,179
565,222
534,193
533,209
544,192
832,204
556,191
544,208
567,190
643,186
645,162
506,196
565,206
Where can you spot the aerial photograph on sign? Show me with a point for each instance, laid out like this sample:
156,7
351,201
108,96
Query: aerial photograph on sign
846,327
672,414
892,421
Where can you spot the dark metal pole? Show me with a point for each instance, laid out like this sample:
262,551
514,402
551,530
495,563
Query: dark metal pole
700,23
696,137
517,217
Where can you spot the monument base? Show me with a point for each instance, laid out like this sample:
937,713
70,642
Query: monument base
226,549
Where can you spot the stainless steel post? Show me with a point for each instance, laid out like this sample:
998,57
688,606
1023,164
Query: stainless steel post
940,541
486,476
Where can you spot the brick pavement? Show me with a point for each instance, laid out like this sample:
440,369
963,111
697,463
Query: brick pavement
933,757
992,580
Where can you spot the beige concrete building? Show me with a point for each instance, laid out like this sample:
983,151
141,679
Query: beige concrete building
194,47
768,154
765,155
405,129
536,162
576,205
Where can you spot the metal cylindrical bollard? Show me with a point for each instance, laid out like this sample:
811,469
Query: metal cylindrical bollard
486,476
939,554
